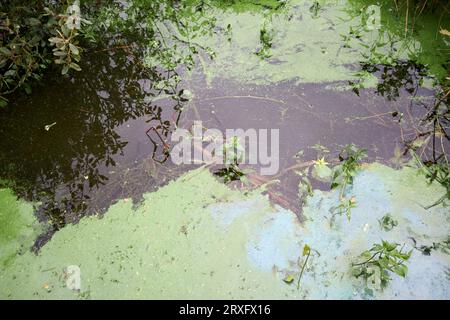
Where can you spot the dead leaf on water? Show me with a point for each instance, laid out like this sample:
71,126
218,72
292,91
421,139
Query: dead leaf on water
289,279
445,32
306,250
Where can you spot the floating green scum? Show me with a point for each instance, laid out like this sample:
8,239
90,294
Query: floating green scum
219,243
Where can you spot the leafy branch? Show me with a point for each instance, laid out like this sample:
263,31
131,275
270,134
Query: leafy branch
343,174
374,265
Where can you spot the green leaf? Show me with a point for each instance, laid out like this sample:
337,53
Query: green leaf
74,49
60,53
5,51
334,185
75,66
366,255
3,102
405,256
10,73
65,69
56,40
322,172
401,270
389,246
65,30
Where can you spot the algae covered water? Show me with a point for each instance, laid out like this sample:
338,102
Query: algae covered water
345,101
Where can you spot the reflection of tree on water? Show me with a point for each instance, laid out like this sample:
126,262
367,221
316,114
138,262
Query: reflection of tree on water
429,127
65,166
426,123
404,75
164,33
426,134
392,53
62,167
59,167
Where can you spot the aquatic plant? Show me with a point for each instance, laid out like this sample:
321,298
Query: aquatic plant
24,31
343,174
438,171
230,173
321,171
438,168
376,264
306,252
443,246
233,152
322,151
315,9
345,206
305,188
387,222
289,279
266,38
414,8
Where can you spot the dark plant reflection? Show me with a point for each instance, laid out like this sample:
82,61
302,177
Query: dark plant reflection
60,166
60,143
404,75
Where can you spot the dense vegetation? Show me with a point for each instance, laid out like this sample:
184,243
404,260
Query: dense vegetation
33,35
37,35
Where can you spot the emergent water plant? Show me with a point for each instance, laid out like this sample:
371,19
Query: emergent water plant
443,246
345,206
376,265
438,171
306,253
233,151
387,222
343,174
266,39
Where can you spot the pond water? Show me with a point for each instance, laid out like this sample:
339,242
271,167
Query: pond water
312,69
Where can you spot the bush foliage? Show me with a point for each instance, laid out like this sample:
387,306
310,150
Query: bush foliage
34,35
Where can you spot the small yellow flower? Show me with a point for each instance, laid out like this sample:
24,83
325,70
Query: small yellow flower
321,162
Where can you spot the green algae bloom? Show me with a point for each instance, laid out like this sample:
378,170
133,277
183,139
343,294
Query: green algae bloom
188,241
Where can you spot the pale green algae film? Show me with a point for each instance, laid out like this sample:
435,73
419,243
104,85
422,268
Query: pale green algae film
196,238
18,226
315,47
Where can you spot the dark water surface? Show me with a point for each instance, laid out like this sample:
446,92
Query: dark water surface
99,150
